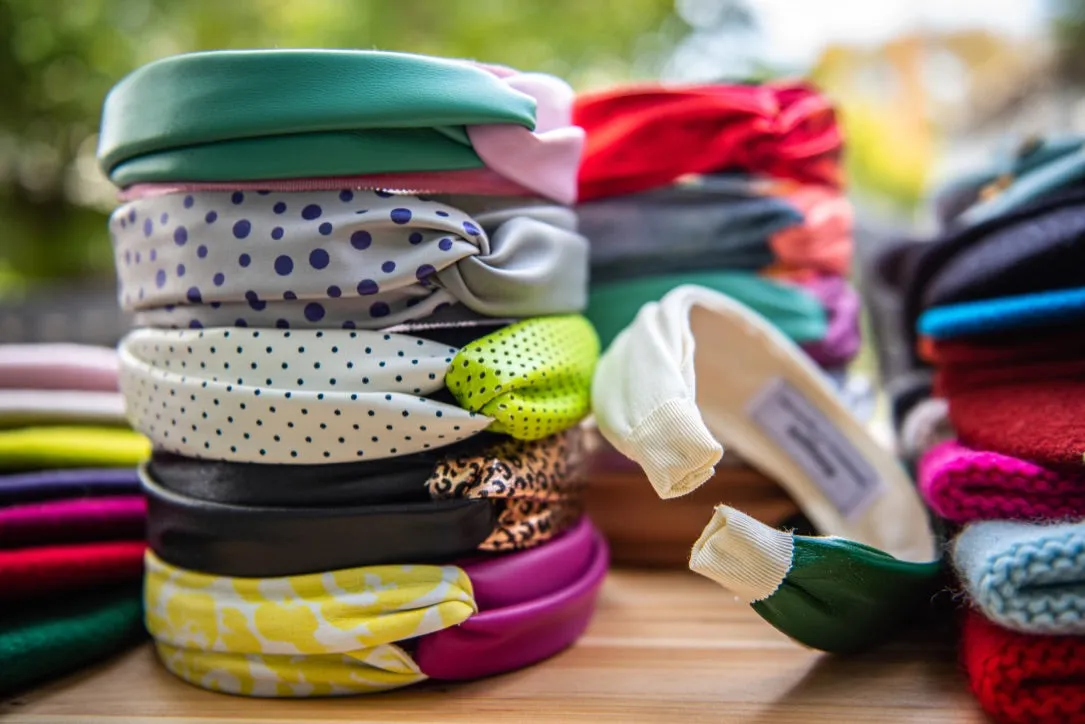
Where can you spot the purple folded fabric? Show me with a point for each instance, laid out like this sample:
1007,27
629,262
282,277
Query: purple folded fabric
58,367
76,520
507,580
841,302
511,637
74,483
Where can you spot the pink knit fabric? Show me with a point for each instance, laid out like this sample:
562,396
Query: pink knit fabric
963,485
73,520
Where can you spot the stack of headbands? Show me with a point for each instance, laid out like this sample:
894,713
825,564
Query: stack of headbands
71,514
736,189
361,362
997,305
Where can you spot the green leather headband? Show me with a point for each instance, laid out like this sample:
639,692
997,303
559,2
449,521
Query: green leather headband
360,111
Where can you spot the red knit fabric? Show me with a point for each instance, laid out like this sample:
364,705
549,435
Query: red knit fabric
1024,679
645,137
27,573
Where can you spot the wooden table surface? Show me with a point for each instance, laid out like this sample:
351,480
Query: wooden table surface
664,647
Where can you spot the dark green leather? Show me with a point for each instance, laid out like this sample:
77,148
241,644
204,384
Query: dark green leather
232,115
841,596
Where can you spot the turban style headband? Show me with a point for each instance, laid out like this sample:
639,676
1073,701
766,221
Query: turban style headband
375,628
303,396
365,259
179,119
643,138
677,401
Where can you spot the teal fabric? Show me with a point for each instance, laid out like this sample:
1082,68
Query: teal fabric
799,315
233,115
842,596
67,634
1028,577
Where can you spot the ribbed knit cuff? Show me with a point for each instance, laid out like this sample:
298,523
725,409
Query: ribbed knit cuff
674,447
746,557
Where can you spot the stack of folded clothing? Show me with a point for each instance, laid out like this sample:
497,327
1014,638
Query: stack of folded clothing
71,513
997,303
735,188
361,362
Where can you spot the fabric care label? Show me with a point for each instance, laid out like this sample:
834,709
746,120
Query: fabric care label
814,442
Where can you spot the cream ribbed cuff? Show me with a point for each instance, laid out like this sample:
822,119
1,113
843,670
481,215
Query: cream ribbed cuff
674,447
747,557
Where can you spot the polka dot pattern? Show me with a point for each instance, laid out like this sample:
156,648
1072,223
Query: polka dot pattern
533,377
388,258
194,393
308,396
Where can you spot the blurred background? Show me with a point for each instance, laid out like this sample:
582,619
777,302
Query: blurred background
925,87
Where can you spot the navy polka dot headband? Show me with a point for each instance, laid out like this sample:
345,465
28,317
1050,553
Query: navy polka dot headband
348,259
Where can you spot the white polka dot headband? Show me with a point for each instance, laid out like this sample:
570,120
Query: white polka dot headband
337,259
305,396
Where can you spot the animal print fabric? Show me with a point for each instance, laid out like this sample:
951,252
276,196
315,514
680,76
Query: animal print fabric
538,486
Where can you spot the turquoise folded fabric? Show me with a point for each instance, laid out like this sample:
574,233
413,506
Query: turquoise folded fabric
1027,577
228,115
798,314
1004,314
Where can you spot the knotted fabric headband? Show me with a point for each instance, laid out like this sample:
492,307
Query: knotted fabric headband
336,633
78,483
73,520
305,396
337,259
964,485
344,113
42,572
645,137
535,486
1028,577
309,635
675,403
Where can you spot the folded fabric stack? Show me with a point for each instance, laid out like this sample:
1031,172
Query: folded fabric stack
734,188
71,513
997,303
361,361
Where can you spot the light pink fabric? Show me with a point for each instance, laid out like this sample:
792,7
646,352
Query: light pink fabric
824,241
58,367
472,182
545,160
964,485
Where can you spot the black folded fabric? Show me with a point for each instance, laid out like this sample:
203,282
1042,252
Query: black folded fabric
922,268
717,223
373,482
261,541
1044,252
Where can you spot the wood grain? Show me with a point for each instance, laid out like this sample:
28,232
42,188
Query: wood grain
665,646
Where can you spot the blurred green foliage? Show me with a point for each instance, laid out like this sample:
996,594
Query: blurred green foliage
58,58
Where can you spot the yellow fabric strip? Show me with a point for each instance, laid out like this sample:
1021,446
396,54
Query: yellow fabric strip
71,447
318,634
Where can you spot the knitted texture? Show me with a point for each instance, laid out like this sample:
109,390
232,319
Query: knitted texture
28,573
963,485
75,631
1025,577
1022,679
